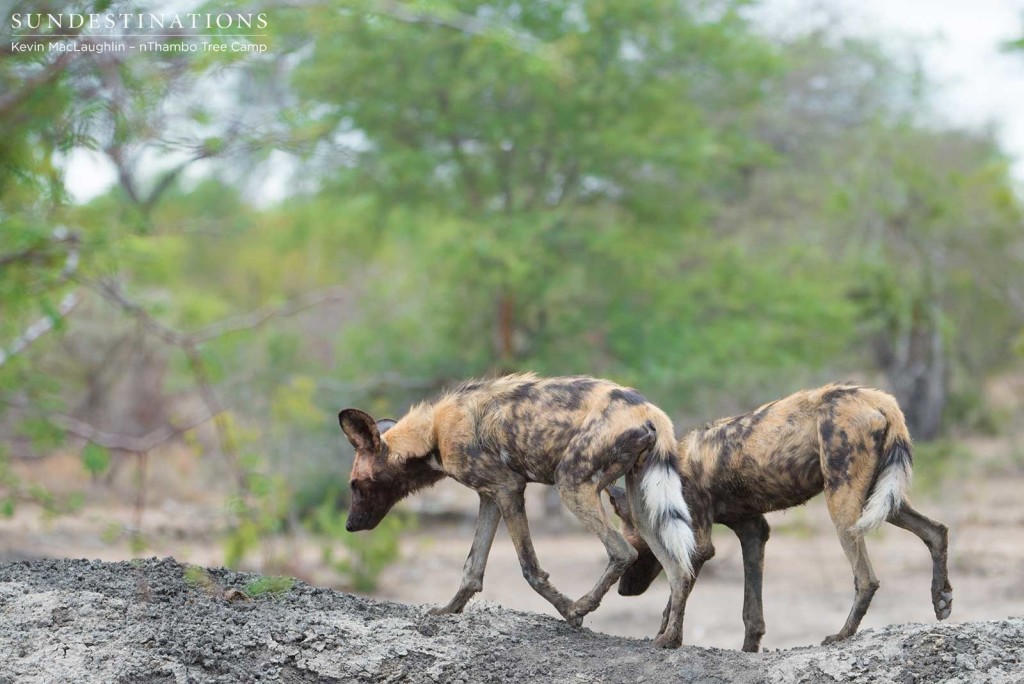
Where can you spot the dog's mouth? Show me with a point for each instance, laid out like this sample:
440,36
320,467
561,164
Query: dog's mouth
362,523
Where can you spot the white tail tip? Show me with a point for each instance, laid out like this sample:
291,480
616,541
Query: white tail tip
886,498
668,513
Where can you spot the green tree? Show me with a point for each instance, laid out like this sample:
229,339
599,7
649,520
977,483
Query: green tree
919,221
545,198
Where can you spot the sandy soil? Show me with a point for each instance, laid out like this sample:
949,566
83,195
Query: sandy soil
157,621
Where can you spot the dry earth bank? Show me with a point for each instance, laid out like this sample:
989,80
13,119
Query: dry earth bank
160,621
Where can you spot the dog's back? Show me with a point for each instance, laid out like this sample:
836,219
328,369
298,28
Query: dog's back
772,458
531,424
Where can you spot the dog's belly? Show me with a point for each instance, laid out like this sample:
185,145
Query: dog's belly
535,467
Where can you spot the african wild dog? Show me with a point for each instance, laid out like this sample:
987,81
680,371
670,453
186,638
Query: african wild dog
848,440
579,434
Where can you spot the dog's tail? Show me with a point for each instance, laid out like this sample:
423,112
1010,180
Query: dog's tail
655,492
892,475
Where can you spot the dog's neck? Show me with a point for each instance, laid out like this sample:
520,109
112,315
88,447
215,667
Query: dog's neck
413,437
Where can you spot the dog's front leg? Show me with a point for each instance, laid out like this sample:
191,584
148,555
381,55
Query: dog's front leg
473,574
753,535
671,634
664,616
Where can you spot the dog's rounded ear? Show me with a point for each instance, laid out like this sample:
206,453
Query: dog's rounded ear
360,429
385,424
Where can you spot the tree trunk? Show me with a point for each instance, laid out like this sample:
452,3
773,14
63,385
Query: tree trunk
917,368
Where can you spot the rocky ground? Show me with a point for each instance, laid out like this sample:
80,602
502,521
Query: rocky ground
162,621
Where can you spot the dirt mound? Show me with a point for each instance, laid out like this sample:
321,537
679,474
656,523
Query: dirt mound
161,621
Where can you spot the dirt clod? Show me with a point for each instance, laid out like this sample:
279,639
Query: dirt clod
70,620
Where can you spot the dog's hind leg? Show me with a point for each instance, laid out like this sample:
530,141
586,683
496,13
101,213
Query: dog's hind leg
584,500
473,574
588,467
849,464
865,584
513,509
753,534
935,535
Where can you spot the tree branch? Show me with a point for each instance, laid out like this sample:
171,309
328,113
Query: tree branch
61,236
138,445
110,290
213,404
10,100
255,319
394,380
190,343
40,327
449,18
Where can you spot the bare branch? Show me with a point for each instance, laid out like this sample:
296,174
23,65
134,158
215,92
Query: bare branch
111,291
124,176
260,316
10,100
165,183
38,252
138,445
190,343
41,326
394,380
250,321
224,437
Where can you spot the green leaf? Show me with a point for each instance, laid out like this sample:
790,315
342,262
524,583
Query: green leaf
96,459
45,435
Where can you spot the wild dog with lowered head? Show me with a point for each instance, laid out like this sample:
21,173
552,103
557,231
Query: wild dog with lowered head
851,442
579,434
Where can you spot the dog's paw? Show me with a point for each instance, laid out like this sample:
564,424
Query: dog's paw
569,614
584,606
668,641
443,610
942,601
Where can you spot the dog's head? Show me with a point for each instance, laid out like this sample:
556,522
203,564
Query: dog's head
375,486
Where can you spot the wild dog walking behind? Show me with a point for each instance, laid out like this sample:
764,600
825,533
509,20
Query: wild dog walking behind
579,434
849,441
